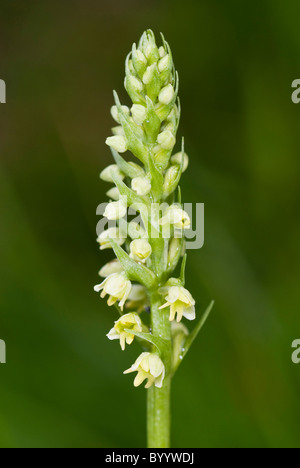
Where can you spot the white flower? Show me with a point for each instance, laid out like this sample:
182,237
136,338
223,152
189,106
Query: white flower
141,185
177,158
140,250
117,142
139,113
180,302
113,193
106,174
148,366
112,267
166,95
176,216
112,233
117,286
115,114
129,321
166,139
115,210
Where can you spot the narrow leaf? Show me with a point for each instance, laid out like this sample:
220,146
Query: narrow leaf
193,335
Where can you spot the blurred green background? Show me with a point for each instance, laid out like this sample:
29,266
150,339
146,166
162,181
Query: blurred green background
62,385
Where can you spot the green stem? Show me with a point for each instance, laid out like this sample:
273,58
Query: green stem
158,401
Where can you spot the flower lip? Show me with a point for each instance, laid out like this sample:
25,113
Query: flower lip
149,367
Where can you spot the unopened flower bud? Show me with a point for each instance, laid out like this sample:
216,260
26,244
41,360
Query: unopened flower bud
115,210
148,75
117,142
175,249
141,185
135,230
115,114
113,193
106,174
139,61
140,250
177,159
134,88
112,267
166,95
170,179
166,140
112,233
118,130
162,51
139,113
165,63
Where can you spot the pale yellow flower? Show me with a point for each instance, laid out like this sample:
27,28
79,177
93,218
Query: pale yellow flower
140,250
141,185
129,321
117,286
148,366
112,233
176,216
180,302
115,210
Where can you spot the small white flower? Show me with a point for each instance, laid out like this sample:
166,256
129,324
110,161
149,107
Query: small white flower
166,95
129,321
112,267
141,185
113,194
176,216
140,250
112,233
180,302
117,142
106,174
166,140
117,286
148,366
139,113
115,114
115,210
177,158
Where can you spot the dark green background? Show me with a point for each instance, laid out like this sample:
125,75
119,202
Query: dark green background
63,385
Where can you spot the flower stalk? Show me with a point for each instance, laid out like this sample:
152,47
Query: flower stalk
149,248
